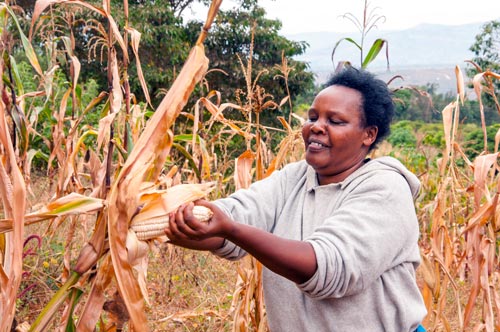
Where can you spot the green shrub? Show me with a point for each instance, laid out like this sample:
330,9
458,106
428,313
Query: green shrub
402,136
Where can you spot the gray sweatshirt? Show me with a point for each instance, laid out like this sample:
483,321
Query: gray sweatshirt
364,232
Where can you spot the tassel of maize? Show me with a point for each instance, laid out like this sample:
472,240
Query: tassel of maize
154,227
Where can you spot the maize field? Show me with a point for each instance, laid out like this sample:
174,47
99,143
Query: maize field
82,246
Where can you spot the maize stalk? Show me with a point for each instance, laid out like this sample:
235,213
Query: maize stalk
152,228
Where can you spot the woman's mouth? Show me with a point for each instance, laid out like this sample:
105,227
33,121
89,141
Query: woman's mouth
314,145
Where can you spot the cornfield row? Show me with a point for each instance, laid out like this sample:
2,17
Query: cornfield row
104,177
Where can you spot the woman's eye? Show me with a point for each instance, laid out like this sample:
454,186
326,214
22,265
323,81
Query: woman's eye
335,122
312,119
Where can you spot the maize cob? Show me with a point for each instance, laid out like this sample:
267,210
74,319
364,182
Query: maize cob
154,227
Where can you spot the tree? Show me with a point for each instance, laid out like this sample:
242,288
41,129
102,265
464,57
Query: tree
166,40
486,49
245,34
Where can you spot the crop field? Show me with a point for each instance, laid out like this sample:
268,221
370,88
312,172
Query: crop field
79,166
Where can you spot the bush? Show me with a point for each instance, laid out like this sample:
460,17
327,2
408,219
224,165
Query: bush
402,135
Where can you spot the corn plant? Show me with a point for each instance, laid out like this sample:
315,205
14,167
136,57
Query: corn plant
122,192
369,21
460,232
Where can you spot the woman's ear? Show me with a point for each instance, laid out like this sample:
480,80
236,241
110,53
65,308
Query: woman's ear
371,135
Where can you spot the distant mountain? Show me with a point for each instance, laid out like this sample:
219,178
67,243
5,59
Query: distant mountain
427,53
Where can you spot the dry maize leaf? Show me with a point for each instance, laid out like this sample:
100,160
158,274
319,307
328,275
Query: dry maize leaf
72,204
151,143
482,166
460,84
41,5
169,200
76,72
497,140
286,146
103,135
243,170
477,83
428,272
117,95
58,132
285,124
6,189
473,293
93,306
138,258
283,101
12,264
260,156
486,250
97,174
217,115
122,205
145,163
447,125
496,295
115,102
28,48
135,38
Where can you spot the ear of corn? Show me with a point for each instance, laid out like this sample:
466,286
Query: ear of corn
152,228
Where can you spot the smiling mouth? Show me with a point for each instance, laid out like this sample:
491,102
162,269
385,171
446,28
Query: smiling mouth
317,145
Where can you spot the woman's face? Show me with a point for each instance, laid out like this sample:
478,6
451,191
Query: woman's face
335,136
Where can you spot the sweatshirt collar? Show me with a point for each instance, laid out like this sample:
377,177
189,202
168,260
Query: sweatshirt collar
388,163
312,179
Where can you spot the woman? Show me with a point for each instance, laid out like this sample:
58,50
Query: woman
337,232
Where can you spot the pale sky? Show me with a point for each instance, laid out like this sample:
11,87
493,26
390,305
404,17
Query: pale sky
323,15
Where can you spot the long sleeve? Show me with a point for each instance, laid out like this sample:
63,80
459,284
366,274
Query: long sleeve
261,204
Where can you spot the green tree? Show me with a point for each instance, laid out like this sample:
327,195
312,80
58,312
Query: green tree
243,33
166,40
486,49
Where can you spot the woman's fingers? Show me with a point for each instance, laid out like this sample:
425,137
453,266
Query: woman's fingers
183,225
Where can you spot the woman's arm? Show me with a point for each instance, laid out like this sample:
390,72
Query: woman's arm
294,260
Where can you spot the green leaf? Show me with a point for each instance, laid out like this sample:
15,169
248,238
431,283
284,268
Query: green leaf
350,40
374,51
76,293
49,311
28,49
186,138
17,76
189,157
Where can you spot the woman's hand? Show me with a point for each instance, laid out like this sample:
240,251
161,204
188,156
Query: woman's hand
187,231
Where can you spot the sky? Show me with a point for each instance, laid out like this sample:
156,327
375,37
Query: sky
299,16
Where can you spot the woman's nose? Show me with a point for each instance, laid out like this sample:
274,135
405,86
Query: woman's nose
318,127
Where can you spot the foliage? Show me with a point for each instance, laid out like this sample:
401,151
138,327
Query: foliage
402,135
164,43
486,49
473,140
242,34
433,135
425,104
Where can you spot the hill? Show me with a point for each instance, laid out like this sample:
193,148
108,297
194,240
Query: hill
427,53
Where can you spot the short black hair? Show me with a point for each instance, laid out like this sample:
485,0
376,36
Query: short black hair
377,103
